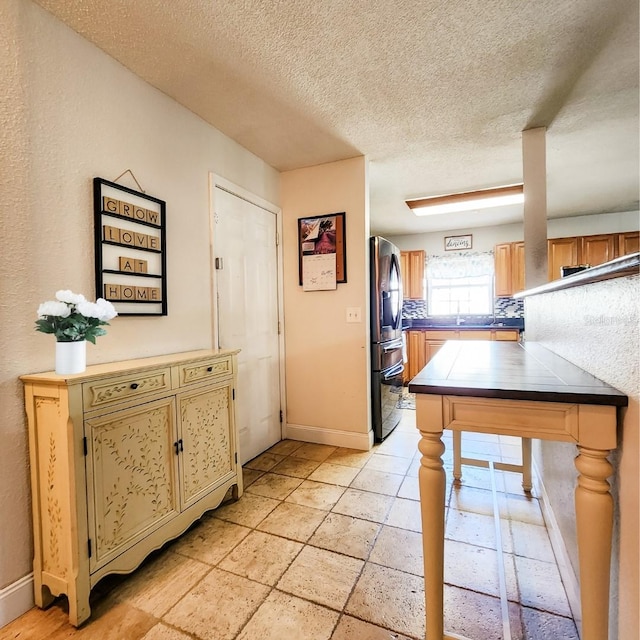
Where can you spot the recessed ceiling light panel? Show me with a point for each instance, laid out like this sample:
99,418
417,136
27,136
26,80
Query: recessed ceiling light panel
482,199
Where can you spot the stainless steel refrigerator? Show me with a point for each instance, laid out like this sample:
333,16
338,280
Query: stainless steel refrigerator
386,336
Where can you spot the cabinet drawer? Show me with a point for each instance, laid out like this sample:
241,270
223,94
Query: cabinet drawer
441,335
104,392
204,370
512,336
471,334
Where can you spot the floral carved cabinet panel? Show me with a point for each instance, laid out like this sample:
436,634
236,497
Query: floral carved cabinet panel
125,457
131,476
207,457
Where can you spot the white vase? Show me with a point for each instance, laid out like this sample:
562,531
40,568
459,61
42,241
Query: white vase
71,357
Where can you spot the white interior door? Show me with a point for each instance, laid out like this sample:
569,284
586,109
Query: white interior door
247,286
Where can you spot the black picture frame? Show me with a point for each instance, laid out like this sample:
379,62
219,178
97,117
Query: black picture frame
130,249
337,222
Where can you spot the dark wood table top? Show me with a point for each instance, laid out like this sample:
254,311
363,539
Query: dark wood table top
511,370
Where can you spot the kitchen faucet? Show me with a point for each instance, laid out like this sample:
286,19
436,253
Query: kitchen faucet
459,320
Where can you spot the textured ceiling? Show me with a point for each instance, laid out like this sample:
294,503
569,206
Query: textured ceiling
435,92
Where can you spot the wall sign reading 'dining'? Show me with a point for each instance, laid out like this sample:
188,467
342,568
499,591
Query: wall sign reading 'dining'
457,243
130,247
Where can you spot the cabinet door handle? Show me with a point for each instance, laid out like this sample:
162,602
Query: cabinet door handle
134,385
209,369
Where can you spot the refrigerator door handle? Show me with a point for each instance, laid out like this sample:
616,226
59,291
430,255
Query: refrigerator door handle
394,371
392,346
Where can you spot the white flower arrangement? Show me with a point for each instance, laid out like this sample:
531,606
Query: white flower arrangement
72,318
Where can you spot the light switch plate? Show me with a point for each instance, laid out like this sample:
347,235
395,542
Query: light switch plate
354,314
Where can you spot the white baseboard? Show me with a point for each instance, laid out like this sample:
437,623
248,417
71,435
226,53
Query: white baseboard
568,575
16,599
318,435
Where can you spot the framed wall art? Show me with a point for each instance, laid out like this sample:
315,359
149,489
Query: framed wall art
458,243
322,257
130,249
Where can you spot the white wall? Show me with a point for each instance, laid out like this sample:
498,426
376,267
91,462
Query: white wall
485,238
597,327
327,359
69,113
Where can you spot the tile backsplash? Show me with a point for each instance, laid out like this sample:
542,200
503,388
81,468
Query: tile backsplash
503,307
414,309
509,308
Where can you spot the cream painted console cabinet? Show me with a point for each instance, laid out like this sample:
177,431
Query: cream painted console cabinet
124,457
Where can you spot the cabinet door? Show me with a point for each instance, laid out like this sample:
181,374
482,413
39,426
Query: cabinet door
131,479
415,353
517,267
205,440
416,267
404,272
563,252
412,269
503,266
596,250
432,347
628,243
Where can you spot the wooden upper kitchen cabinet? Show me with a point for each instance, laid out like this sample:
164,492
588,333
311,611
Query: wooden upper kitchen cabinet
502,259
627,243
124,457
589,250
412,267
597,249
509,268
517,262
562,252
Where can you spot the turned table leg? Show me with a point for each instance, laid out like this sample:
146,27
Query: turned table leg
594,520
432,480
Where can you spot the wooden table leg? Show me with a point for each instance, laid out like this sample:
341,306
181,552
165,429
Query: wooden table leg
527,484
432,481
457,455
594,520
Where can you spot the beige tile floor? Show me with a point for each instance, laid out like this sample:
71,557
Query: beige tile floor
326,544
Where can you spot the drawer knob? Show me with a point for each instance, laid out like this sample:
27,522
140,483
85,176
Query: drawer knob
134,385
209,369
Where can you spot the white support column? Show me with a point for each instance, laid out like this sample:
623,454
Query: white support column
534,172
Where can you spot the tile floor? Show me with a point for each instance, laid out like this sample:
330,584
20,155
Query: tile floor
326,544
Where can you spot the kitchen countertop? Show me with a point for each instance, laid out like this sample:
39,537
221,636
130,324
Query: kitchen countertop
511,370
620,267
424,324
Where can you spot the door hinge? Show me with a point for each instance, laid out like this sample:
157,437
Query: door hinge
84,446
233,394
277,238
278,327
219,264
236,457
280,415
89,546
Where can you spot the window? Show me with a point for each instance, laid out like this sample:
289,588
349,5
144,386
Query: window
460,284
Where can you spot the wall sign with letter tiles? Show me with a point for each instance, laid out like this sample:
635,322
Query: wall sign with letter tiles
131,257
